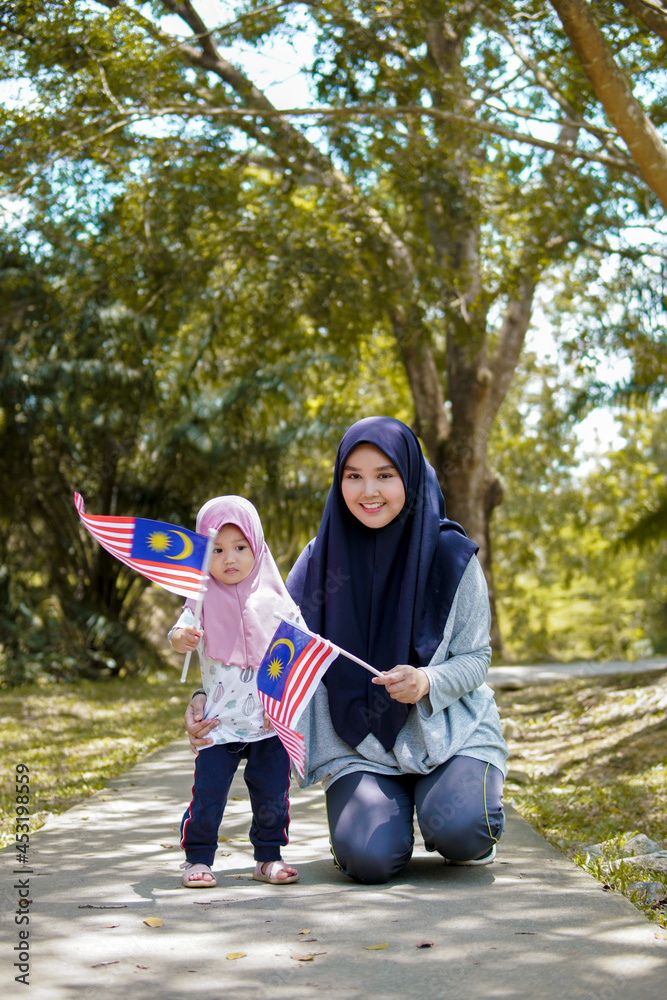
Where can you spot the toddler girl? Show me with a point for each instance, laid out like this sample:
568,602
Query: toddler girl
244,591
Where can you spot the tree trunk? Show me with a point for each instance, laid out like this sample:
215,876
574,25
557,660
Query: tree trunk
615,93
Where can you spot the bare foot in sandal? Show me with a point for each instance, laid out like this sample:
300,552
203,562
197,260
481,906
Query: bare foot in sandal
197,876
275,872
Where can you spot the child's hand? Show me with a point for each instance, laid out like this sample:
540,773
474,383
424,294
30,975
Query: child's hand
186,640
267,722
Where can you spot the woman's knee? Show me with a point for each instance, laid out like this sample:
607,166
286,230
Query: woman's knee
370,825
367,864
460,810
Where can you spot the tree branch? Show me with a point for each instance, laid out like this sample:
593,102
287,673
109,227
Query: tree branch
403,111
653,14
614,92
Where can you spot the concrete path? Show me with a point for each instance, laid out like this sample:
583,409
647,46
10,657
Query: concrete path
521,676
531,925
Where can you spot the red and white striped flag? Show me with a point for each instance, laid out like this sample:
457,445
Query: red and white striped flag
168,555
286,680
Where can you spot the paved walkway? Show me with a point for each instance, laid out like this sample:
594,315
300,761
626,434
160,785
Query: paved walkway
532,925
520,676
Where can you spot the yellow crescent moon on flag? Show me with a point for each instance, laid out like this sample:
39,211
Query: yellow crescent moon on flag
290,646
187,546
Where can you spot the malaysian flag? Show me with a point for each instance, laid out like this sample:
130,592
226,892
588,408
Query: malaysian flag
165,553
286,680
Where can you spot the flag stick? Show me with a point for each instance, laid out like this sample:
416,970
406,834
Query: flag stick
212,535
350,656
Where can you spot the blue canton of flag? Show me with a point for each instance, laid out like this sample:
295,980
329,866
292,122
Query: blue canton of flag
156,541
286,680
287,644
171,556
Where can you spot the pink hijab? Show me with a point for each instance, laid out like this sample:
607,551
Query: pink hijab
238,618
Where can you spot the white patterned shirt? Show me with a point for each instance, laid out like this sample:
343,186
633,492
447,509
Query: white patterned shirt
231,695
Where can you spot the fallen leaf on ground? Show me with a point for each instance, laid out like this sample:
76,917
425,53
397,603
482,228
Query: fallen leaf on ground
142,966
308,940
223,838
377,947
166,846
154,921
113,925
426,944
235,954
307,931
301,958
100,964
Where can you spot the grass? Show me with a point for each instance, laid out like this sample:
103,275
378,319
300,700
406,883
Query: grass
588,758
75,737
588,764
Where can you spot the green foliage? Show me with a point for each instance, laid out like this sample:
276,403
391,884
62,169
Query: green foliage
567,590
75,737
150,416
194,302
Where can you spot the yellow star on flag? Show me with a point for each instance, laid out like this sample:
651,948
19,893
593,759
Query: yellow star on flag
159,541
274,668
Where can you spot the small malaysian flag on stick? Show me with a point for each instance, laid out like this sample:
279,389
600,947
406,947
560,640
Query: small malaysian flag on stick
292,667
286,680
165,553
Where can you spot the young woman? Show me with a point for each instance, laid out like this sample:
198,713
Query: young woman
391,580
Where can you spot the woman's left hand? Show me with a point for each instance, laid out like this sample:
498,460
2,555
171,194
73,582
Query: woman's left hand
404,683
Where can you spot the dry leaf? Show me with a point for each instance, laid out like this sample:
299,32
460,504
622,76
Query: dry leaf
308,940
100,964
223,838
166,846
113,925
235,954
307,931
425,944
302,958
154,921
377,947
142,966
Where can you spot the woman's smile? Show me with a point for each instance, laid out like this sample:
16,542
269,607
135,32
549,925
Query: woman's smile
371,486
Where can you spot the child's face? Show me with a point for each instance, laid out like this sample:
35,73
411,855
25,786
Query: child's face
232,557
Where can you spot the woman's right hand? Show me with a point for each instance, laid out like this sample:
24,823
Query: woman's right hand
196,725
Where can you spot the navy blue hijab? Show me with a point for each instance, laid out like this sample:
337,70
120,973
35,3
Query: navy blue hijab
383,594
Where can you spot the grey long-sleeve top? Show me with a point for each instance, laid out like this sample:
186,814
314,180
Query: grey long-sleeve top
457,716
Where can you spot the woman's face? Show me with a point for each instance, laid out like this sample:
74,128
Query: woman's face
371,486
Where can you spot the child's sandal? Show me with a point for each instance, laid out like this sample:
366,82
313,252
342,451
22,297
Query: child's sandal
268,871
197,883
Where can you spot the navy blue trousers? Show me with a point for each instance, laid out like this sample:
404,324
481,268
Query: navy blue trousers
267,775
459,811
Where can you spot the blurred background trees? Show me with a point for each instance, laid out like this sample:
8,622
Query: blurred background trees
198,294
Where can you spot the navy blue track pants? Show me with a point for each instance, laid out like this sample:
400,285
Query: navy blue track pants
459,811
267,775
